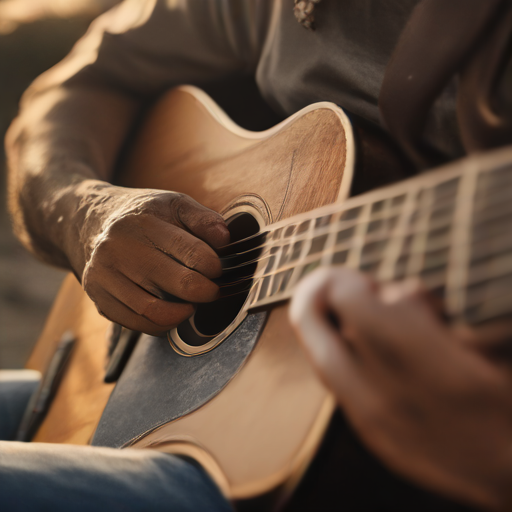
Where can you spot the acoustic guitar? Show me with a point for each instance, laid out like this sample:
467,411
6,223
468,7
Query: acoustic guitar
231,387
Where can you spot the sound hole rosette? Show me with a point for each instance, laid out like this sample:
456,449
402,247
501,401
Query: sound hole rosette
190,338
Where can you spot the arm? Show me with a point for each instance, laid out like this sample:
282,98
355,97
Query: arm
426,398
62,147
67,213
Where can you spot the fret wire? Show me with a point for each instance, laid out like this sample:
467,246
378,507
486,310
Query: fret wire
302,264
457,274
256,291
330,243
392,253
354,255
306,246
419,240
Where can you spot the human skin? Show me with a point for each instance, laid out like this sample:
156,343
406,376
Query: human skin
432,401
134,251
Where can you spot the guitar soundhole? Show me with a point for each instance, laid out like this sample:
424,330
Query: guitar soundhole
235,283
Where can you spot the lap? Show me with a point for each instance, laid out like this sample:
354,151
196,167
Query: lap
47,477
36,476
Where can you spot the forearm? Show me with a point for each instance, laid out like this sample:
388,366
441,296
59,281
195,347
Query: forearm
61,144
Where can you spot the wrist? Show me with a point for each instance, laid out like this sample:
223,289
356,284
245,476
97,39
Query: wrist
86,203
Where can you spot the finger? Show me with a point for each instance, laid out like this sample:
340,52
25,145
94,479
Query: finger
126,303
182,246
113,309
331,357
202,222
159,273
392,328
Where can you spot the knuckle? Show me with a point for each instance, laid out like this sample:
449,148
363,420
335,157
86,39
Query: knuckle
178,204
193,255
119,226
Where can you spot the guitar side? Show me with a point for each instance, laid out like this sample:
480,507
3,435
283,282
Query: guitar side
274,405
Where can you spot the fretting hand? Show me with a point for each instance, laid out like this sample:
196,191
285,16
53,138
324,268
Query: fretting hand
428,399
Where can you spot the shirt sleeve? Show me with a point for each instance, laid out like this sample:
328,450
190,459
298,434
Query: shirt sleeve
145,46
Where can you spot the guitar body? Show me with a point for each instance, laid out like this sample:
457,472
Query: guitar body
255,412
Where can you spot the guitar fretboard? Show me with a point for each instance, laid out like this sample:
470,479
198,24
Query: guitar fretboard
451,228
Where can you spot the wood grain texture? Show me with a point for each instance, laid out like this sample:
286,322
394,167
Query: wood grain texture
261,431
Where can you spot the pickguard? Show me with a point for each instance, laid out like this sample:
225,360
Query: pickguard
159,386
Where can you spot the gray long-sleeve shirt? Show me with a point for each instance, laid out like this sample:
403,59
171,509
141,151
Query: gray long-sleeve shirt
147,46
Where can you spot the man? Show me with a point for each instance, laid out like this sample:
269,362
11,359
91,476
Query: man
63,146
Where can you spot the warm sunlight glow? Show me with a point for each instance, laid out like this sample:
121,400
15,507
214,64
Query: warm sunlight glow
16,12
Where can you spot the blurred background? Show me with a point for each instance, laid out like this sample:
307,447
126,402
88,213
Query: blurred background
34,35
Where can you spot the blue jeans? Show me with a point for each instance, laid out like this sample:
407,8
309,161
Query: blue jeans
46,477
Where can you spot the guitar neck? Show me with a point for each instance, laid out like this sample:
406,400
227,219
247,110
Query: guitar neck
449,227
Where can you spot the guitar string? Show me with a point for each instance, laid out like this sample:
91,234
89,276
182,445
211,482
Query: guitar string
346,225
349,224
432,282
317,232
374,238
376,261
436,280
450,199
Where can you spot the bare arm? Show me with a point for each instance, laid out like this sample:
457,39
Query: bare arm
132,249
57,150
61,151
